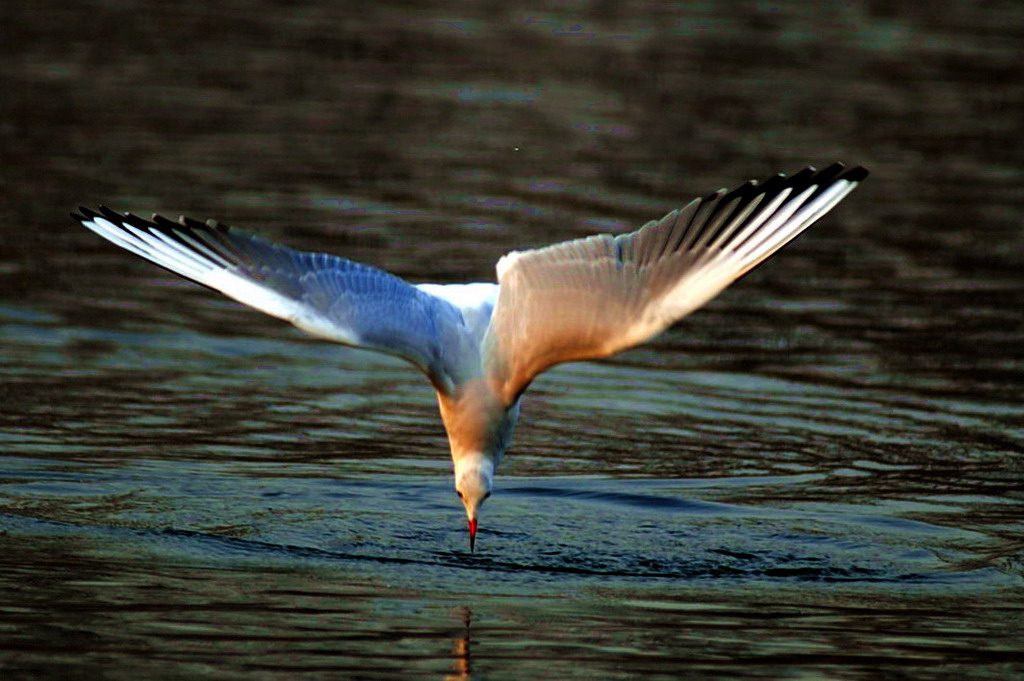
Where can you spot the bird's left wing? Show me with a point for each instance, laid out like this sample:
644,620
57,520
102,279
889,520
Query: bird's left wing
324,295
596,296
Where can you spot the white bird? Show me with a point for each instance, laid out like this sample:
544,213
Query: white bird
481,344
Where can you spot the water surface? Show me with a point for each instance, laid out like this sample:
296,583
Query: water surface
817,476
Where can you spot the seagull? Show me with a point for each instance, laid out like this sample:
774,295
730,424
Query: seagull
482,344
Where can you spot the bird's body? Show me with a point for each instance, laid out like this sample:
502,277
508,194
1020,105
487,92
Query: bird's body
482,344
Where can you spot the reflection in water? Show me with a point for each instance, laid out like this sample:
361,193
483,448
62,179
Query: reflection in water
461,649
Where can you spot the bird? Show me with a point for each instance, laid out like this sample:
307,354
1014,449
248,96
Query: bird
481,344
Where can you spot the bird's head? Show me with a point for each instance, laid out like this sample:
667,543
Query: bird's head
474,476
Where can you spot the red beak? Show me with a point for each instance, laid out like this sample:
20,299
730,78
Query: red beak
472,535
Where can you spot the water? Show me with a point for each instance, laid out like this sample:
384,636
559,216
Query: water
817,476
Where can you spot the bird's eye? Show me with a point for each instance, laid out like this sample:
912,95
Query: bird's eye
487,496
459,492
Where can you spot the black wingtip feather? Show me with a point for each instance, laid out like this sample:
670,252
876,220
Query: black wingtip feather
744,193
745,189
772,185
799,179
213,235
857,174
184,223
111,215
135,221
823,179
163,223
191,223
828,175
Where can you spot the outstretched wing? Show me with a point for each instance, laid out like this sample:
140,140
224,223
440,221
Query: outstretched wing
322,294
596,296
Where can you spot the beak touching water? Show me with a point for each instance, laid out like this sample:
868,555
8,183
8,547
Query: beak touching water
473,485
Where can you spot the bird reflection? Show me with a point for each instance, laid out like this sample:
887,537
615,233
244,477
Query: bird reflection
461,666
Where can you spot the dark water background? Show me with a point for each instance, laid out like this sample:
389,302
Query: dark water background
819,476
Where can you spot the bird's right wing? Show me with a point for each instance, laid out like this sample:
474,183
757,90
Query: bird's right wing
596,296
324,295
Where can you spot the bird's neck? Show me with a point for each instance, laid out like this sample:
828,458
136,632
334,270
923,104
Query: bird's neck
478,424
